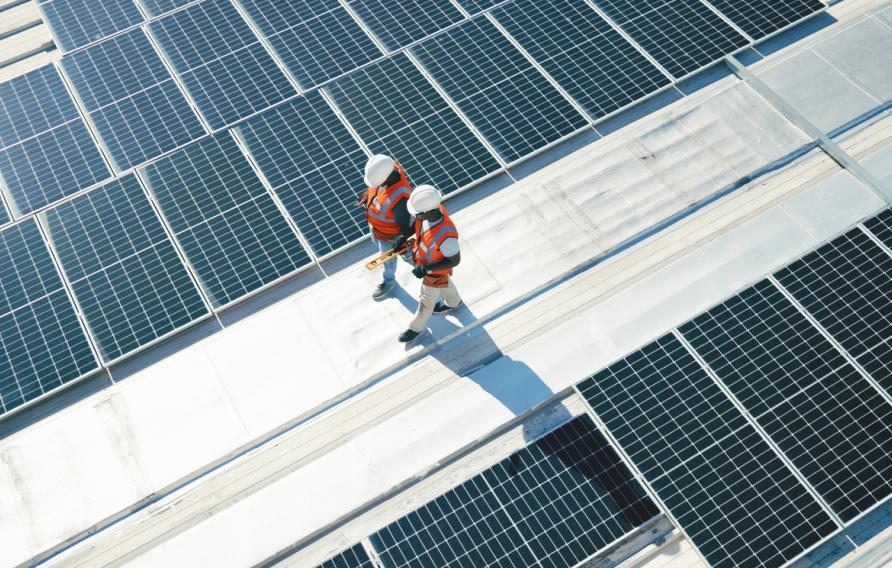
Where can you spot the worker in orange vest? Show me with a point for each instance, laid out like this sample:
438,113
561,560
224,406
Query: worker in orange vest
436,252
385,207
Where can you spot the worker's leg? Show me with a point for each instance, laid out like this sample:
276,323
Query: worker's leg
426,302
450,295
390,265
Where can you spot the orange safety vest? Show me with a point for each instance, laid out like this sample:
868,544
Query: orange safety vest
380,204
427,243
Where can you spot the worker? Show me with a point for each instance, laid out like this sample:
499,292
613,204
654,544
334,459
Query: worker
385,202
435,251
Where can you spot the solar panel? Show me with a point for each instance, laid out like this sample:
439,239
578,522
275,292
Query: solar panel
315,167
846,285
474,6
881,226
761,18
158,7
42,343
355,557
131,98
682,35
233,235
223,65
504,96
554,503
47,151
587,57
569,494
123,269
76,23
316,40
4,216
736,500
822,414
396,111
398,24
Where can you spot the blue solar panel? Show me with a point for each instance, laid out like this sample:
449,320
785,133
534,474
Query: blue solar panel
42,343
355,557
589,59
75,23
158,7
233,235
760,18
135,104
516,109
124,270
223,65
682,35
316,40
397,112
33,103
315,167
474,6
400,23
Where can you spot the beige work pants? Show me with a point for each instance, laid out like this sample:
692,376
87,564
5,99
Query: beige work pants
427,301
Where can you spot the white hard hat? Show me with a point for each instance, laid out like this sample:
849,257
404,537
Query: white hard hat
424,198
378,169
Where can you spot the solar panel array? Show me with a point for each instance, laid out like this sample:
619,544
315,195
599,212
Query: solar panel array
355,557
75,23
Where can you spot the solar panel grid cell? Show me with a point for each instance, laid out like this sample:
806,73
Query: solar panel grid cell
123,269
396,111
760,18
316,41
158,7
228,225
222,64
682,35
42,344
315,167
590,60
503,95
135,104
398,24
33,103
816,407
846,285
475,6
355,557
76,23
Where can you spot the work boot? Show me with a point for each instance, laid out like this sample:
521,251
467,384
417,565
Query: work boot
383,290
408,335
442,308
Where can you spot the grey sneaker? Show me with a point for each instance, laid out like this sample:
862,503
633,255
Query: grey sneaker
442,308
382,290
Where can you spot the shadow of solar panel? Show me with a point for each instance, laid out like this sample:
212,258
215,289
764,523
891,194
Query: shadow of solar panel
222,64
355,557
830,422
75,23
846,285
761,18
233,235
735,499
315,167
398,24
316,41
505,97
124,270
569,494
682,35
47,151
131,98
590,60
159,7
396,111
42,343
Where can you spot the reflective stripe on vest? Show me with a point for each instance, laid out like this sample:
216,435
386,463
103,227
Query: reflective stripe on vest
427,243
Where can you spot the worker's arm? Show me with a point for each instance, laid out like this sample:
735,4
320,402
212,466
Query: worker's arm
447,262
406,223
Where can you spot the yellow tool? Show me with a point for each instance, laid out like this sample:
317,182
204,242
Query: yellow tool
385,256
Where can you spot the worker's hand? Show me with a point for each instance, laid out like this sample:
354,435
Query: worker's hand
363,198
420,271
399,243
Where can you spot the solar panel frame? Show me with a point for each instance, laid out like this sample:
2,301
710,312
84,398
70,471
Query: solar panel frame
233,235
127,276
398,24
132,99
729,455
396,111
504,96
843,285
76,23
761,19
43,344
223,66
683,36
591,61
315,43
314,166
810,401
